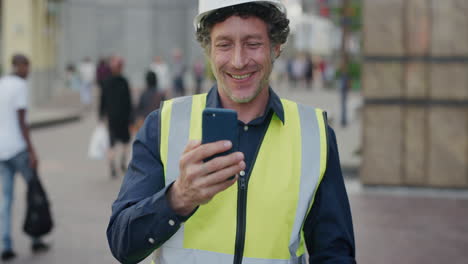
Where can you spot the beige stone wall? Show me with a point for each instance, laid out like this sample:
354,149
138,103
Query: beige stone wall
383,132
28,28
383,24
17,30
421,137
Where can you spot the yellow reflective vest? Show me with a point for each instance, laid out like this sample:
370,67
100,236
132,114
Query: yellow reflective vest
258,222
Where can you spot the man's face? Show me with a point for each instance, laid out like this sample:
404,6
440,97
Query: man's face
241,57
22,69
116,65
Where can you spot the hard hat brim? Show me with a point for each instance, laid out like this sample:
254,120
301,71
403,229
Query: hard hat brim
199,17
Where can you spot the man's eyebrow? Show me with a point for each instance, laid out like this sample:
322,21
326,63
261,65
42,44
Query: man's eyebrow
222,37
251,36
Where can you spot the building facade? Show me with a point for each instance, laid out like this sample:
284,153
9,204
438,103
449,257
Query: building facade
416,97
138,30
55,33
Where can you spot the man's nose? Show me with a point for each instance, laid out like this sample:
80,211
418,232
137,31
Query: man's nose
239,58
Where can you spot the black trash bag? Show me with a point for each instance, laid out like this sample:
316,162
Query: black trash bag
38,220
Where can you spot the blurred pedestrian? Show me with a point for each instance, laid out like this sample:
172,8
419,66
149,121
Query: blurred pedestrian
278,194
322,66
309,71
330,74
72,78
116,111
320,73
198,74
150,99
298,70
178,70
17,153
87,71
289,70
345,83
103,72
161,69
280,72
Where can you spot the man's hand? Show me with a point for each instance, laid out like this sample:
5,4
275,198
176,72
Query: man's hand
199,182
33,161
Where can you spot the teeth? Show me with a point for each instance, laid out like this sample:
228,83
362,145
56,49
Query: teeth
240,77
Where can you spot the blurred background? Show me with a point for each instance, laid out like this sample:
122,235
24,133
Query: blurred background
392,75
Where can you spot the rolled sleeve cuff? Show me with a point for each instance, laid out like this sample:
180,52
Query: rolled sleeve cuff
169,222
180,218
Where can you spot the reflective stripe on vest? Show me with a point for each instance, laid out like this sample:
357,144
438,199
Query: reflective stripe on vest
287,172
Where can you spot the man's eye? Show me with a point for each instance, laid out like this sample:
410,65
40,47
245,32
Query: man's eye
254,44
222,45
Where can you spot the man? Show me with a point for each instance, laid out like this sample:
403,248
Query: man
150,99
87,71
288,195
198,74
17,153
160,68
178,70
116,109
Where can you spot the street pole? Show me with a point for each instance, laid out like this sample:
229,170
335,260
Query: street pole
345,80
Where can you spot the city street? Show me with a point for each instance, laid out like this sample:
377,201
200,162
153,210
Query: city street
403,150
391,226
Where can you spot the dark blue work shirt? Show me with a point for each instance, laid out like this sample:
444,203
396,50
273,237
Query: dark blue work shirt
142,219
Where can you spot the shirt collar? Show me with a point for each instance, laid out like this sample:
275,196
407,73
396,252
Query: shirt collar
274,103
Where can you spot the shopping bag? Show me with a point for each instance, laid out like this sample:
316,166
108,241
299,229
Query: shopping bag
99,143
38,220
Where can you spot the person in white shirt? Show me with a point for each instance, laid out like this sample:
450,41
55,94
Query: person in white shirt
161,69
17,153
87,71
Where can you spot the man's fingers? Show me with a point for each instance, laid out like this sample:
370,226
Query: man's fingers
192,144
211,191
194,171
199,153
220,176
223,162
211,149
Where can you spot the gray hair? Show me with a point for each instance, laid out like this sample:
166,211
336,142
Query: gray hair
277,22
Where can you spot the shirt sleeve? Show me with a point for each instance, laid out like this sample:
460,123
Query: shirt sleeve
328,228
21,98
142,219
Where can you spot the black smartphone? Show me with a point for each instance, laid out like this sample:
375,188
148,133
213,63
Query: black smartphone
219,124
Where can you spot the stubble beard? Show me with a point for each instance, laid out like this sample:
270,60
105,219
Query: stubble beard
262,85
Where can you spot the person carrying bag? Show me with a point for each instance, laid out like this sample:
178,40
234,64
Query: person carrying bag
17,153
38,220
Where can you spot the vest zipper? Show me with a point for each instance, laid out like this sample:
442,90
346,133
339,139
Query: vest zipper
241,218
242,184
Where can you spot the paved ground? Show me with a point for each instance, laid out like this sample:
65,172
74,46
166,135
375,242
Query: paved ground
391,225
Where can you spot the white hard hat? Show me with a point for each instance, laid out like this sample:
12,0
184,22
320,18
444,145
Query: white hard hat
206,7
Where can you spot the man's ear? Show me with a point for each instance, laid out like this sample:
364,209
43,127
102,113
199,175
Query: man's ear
277,50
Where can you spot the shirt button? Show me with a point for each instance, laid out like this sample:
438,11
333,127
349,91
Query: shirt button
246,128
171,222
242,173
151,240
